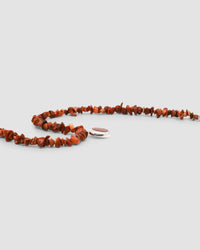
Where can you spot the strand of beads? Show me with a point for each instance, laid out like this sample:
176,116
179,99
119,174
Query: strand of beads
80,133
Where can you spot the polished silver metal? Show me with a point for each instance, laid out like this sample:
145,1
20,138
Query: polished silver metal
99,132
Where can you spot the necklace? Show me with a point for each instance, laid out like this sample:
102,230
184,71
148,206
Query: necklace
80,133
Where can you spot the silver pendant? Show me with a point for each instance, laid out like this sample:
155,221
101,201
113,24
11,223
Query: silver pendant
99,132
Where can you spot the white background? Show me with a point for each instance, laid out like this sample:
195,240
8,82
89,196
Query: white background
139,189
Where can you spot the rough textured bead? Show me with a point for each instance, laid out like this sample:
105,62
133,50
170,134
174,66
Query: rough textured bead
41,142
74,139
58,142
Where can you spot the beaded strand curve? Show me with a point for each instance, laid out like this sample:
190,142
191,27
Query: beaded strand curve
80,132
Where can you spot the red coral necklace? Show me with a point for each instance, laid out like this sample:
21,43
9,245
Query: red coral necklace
80,132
